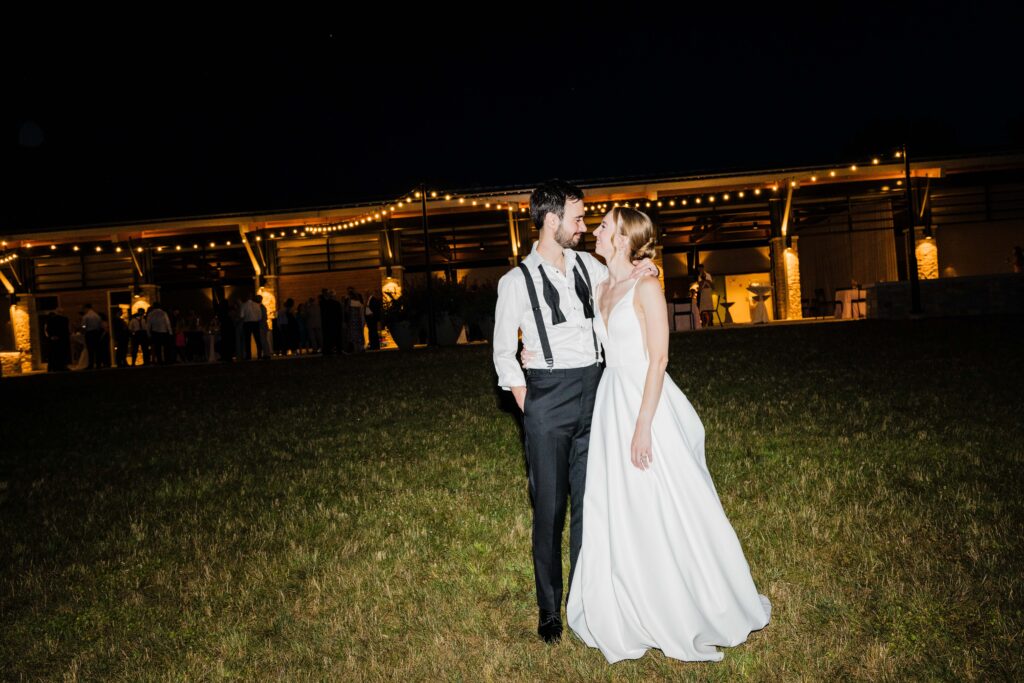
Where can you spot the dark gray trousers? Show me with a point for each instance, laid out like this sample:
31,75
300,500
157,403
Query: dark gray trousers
556,422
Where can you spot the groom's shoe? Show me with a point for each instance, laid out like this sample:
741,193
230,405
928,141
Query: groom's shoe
549,627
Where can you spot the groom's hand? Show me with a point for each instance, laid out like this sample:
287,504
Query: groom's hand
644,268
520,395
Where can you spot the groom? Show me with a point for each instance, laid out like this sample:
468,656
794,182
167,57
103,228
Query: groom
550,297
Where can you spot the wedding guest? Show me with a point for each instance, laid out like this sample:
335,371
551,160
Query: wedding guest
121,338
331,315
140,337
314,326
374,313
103,360
267,348
250,315
356,319
301,319
705,297
58,334
160,334
92,328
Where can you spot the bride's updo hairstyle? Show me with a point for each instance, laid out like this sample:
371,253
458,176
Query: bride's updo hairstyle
637,227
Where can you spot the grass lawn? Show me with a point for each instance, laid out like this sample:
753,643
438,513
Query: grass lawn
366,518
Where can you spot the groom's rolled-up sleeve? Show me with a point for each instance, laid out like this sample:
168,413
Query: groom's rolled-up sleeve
507,316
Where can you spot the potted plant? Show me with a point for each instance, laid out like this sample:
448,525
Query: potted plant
402,317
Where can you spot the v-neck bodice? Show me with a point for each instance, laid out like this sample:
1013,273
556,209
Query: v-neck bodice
621,334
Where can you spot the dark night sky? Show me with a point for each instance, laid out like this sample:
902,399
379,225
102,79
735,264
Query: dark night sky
104,126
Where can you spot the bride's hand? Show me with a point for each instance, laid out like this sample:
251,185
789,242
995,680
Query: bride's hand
645,267
640,453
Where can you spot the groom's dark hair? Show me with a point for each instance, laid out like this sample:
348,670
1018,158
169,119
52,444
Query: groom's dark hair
550,197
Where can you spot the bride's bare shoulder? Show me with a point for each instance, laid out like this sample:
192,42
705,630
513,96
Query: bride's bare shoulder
649,286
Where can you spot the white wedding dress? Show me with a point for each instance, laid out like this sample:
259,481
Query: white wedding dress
660,564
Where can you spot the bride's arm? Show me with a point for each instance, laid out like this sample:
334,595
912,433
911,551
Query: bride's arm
651,302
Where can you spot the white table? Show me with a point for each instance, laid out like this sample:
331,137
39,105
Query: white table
849,309
760,312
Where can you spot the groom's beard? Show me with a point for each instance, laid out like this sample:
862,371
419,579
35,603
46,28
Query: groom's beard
565,239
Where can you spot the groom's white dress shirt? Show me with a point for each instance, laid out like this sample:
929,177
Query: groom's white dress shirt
572,342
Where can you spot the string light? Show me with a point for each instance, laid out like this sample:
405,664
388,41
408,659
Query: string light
74,248
53,247
875,161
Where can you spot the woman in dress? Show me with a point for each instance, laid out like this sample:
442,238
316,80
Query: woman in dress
660,564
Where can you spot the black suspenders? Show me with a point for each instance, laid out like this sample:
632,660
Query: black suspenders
538,318
593,307
545,345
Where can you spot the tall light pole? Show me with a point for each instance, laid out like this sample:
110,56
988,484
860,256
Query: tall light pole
431,327
910,238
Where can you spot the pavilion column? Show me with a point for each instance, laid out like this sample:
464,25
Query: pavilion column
927,258
786,278
26,336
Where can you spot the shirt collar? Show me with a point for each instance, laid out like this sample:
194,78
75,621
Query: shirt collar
535,259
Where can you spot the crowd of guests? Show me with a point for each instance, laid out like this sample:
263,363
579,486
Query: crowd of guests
238,329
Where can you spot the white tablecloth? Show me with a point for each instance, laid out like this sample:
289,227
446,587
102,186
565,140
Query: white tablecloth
846,297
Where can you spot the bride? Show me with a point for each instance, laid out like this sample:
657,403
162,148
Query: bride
660,564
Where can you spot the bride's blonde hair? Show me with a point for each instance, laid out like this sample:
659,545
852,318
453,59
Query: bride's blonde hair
638,229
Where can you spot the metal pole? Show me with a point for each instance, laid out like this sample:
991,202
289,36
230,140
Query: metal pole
431,327
910,239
